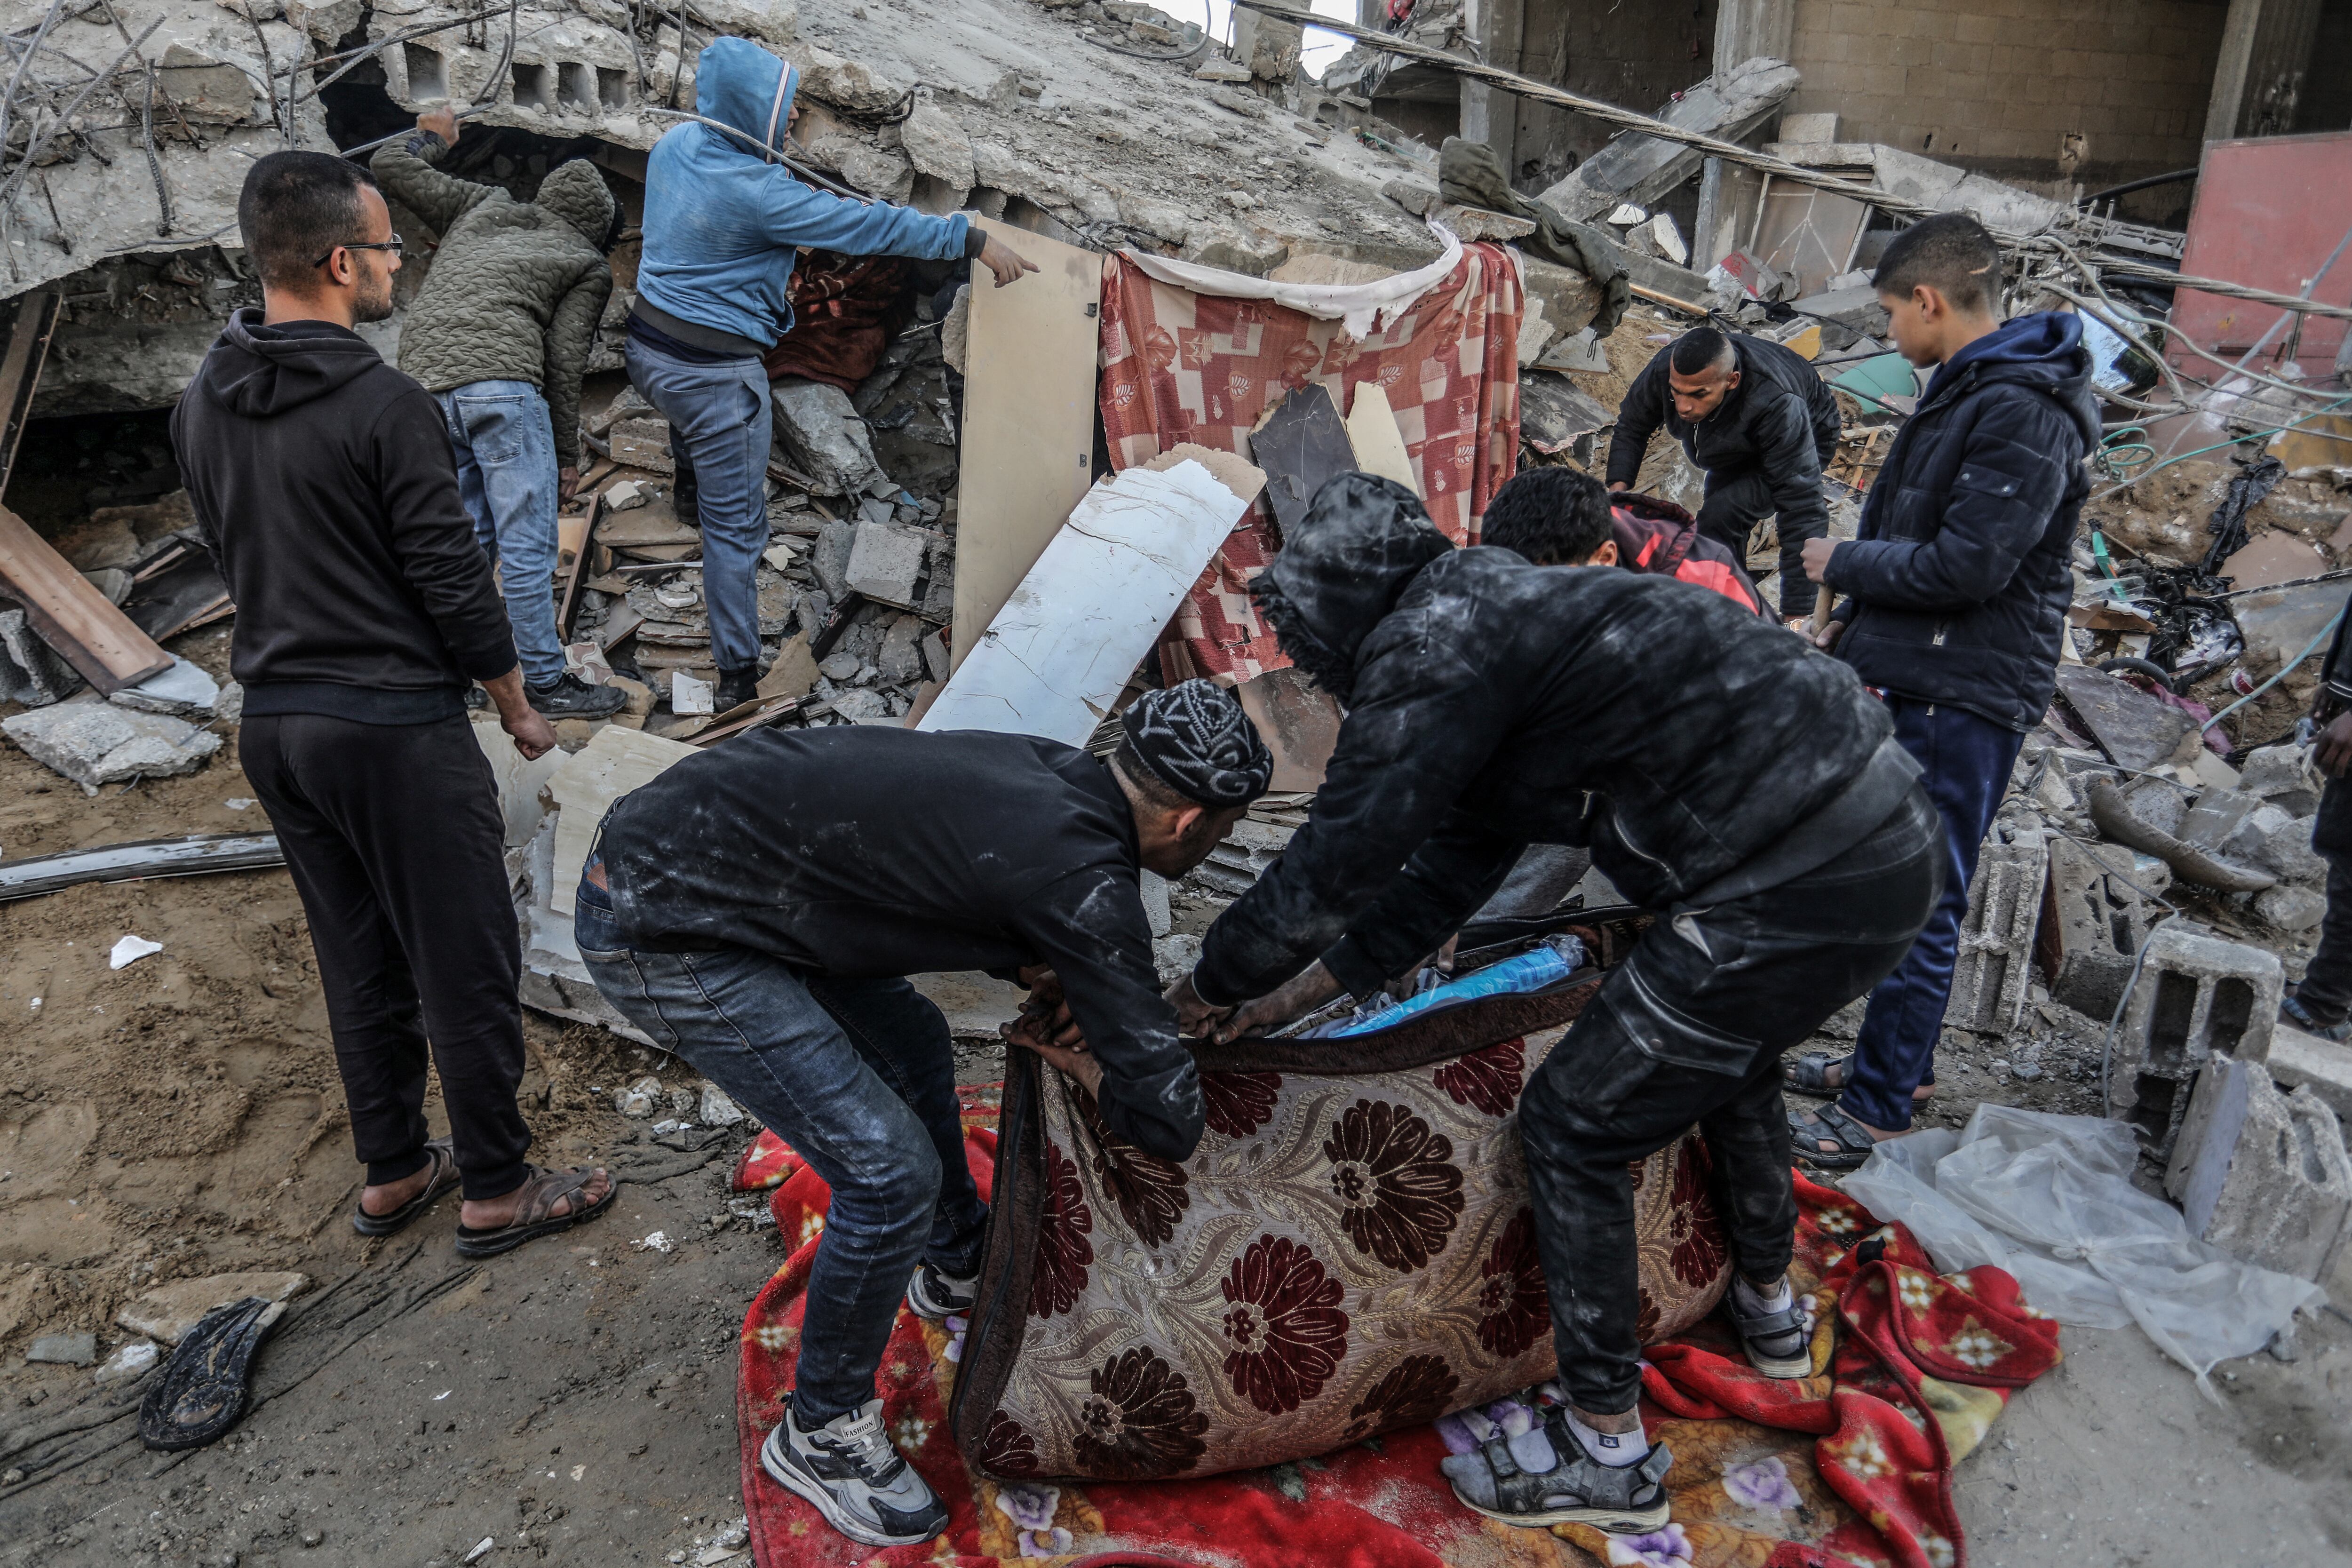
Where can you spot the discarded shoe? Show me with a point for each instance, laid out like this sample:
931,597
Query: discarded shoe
1577,1489
935,1294
572,698
202,1390
862,1485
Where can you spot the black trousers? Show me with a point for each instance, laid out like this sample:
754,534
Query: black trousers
396,844
1690,1029
2326,989
1737,500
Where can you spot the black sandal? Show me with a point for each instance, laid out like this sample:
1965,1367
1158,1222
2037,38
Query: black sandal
541,1190
1810,1074
1808,1128
443,1158
203,1387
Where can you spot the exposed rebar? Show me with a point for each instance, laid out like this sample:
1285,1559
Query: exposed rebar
154,164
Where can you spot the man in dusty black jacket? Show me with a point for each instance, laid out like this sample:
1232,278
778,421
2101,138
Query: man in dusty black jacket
1721,772
324,490
757,907
1756,419
1955,597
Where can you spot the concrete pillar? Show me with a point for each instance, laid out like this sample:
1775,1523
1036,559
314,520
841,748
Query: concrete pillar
1490,114
2265,50
1745,28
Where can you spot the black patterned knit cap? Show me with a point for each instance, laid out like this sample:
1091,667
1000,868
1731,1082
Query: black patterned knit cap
1201,743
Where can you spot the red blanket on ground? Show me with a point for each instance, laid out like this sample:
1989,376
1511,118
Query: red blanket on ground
1850,1468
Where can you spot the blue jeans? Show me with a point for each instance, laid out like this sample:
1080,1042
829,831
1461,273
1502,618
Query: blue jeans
858,1076
1968,761
722,414
505,447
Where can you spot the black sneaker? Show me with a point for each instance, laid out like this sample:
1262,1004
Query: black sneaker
862,1485
935,1294
1578,1489
573,697
736,687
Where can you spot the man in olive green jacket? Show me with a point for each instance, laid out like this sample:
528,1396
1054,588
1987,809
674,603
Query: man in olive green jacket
499,334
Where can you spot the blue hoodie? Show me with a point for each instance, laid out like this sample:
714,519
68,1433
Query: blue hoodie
1956,588
722,222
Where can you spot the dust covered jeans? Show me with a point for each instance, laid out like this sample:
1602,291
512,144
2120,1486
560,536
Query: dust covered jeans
858,1076
507,475
1690,1029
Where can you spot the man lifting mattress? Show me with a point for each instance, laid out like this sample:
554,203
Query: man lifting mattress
1722,772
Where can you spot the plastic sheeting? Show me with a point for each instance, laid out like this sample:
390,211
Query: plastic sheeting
2050,1198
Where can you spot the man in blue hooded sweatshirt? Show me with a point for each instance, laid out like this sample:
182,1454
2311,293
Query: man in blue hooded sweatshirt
722,225
1953,597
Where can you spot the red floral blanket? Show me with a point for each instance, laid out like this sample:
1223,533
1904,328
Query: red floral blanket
1849,1468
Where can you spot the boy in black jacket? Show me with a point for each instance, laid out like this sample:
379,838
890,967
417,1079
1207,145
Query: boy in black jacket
1953,597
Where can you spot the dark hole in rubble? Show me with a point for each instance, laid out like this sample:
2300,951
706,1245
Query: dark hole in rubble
429,73
577,88
2153,1112
532,87
2233,1009
612,87
68,465
2169,1022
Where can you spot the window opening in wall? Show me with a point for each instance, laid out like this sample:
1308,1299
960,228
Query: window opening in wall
532,87
429,73
613,87
578,91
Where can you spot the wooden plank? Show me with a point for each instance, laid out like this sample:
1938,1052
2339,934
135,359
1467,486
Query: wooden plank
578,570
71,615
1299,443
1379,444
31,319
1027,452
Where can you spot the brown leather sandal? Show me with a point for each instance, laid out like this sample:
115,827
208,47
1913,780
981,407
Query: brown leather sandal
444,1165
540,1192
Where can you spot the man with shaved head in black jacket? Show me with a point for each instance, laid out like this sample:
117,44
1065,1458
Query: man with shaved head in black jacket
1722,772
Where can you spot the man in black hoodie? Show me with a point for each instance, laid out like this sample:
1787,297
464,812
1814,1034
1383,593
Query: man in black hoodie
1955,597
1721,772
1756,419
324,490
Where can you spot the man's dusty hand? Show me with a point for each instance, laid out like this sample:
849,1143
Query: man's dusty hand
1193,1016
1004,261
567,484
534,737
1027,1031
1817,558
1294,998
2333,750
441,123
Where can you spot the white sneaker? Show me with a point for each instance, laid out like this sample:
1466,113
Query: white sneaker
862,1485
936,1295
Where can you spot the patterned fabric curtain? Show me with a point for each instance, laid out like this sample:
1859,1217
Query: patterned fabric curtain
1181,365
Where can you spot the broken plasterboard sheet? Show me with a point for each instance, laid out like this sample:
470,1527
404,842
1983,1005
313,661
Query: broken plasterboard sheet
615,762
1380,444
1299,723
520,779
1056,657
1027,453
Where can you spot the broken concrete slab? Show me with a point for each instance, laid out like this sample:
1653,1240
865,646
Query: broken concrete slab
183,692
902,657
1995,964
2284,776
2199,996
95,744
2136,730
2261,1175
2291,908
937,147
1856,308
885,563
829,558
168,1311
64,1350
826,440
642,441
2299,1060
1641,169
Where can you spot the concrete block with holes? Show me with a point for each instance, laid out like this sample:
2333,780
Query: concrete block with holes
2093,921
2198,996
1996,957
2261,1175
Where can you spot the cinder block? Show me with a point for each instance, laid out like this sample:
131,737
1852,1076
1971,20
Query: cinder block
885,562
2198,996
1996,958
2092,924
2261,1175
2300,1061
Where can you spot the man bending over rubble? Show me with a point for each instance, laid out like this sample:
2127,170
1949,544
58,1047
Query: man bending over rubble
1723,773
756,910
326,494
1755,417
722,225
499,335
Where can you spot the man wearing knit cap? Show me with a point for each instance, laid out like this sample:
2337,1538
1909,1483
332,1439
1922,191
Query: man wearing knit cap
757,908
